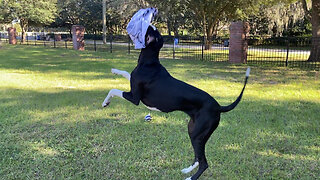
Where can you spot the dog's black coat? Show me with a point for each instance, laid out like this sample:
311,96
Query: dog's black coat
152,84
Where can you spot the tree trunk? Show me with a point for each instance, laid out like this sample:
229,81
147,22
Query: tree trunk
209,36
315,21
169,28
23,25
176,32
23,35
208,42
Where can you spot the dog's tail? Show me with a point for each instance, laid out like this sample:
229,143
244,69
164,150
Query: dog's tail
235,103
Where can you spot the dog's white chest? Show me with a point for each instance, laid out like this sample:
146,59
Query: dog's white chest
152,108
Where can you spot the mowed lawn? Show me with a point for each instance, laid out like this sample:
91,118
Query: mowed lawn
52,125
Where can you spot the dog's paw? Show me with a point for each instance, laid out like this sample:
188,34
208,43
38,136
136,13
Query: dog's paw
105,104
189,178
189,169
185,171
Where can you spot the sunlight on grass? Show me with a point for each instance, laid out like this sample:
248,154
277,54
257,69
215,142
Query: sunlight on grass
42,149
232,147
271,153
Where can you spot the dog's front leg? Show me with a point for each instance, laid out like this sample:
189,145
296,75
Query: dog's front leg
132,96
122,73
111,94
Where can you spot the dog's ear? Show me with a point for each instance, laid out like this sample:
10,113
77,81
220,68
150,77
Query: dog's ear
149,39
150,36
153,38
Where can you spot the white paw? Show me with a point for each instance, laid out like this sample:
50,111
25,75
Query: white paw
189,169
185,170
189,178
105,104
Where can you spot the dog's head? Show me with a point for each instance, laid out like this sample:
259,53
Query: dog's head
153,39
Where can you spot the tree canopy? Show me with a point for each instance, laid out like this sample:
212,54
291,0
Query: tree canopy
200,17
28,12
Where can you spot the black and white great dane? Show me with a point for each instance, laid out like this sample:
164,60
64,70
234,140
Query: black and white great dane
151,83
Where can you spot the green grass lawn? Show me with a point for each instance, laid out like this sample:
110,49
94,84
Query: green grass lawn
52,125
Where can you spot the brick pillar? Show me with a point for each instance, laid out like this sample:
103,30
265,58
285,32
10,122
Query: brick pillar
78,37
57,37
238,46
12,35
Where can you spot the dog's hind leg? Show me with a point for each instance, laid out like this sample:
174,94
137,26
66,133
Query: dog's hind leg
195,163
199,148
122,73
111,94
203,128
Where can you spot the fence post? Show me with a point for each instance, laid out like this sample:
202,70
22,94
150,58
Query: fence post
1,38
27,39
94,41
35,39
174,48
287,57
66,43
128,44
111,37
54,40
202,47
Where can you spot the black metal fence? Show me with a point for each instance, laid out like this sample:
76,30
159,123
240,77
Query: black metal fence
49,40
282,51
